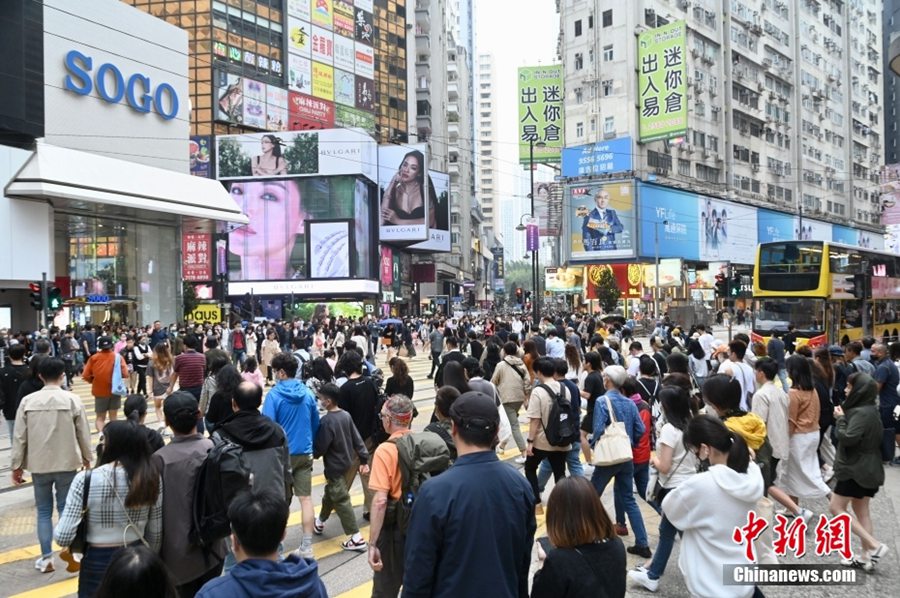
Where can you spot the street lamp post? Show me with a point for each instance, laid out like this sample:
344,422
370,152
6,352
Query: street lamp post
656,248
535,297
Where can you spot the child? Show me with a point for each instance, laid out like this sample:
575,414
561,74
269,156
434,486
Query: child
251,373
336,442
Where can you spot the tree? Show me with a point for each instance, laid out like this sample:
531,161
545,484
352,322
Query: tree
608,292
231,160
302,156
189,295
517,274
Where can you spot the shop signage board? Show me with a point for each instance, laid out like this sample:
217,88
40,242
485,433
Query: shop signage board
603,157
662,82
540,117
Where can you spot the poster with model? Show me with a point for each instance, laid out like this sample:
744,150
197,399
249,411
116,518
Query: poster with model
601,221
728,230
439,236
406,210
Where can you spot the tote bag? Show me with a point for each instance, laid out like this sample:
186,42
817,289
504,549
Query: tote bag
118,385
614,446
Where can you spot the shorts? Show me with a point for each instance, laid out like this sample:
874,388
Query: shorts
301,474
850,489
110,403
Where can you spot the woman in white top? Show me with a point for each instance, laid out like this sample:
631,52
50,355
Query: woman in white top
710,505
573,358
124,503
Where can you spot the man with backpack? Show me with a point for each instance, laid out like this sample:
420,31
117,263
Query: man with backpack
291,405
395,480
180,462
446,551
552,429
11,376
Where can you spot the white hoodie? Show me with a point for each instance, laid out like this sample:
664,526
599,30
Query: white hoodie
707,508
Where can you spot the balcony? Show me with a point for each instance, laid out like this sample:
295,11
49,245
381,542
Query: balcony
423,16
423,45
453,91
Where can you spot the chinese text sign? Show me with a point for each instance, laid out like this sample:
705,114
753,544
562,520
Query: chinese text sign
540,113
662,83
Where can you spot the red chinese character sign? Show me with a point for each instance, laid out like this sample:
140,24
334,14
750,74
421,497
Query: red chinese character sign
197,257
540,113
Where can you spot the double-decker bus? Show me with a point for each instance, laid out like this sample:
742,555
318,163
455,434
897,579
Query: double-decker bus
815,285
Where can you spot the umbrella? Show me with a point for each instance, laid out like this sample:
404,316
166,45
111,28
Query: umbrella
387,321
613,318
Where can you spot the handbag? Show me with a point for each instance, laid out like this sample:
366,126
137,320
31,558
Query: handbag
658,492
614,446
79,540
118,384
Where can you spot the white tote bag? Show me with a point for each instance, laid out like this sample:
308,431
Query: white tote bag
614,446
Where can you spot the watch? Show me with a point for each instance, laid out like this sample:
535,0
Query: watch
529,440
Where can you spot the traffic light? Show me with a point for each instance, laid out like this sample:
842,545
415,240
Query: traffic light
37,300
721,286
519,295
54,298
734,289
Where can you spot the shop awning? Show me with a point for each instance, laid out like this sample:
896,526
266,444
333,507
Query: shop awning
82,181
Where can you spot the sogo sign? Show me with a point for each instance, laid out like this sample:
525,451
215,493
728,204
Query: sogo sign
112,87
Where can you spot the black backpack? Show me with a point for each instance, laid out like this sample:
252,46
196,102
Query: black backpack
562,425
223,475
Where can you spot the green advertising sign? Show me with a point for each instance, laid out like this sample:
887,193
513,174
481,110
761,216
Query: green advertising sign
662,82
541,113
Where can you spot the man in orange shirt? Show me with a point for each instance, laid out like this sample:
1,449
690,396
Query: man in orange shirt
99,371
386,542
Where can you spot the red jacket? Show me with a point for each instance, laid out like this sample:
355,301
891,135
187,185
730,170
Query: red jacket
641,453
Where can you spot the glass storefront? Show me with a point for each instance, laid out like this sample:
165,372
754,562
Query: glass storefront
118,271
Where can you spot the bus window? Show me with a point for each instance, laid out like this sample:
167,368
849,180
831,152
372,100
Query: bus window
851,314
790,257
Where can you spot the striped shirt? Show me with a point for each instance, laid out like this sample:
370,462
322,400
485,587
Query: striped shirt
190,367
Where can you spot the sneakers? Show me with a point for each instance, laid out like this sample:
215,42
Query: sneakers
355,545
643,551
642,578
621,529
805,514
855,563
44,564
519,460
877,554
318,527
306,553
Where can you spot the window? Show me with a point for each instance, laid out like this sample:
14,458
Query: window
579,61
591,21
607,53
579,129
577,27
578,95
593,125
609,125
607,87
684,167
607,18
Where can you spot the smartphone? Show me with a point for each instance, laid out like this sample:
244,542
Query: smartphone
546,546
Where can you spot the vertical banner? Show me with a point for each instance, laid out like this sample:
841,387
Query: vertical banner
662,82
541,112
532,238
387,267
196,257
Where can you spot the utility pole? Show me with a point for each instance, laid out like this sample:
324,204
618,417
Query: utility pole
44,302
535,296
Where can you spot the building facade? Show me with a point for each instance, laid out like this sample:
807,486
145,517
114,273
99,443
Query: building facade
487,137
890,29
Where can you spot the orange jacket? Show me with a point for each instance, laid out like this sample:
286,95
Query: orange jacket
98,371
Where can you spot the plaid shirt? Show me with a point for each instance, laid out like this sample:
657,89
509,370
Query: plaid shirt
108,523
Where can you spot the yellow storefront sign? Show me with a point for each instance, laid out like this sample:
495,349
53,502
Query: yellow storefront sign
207,313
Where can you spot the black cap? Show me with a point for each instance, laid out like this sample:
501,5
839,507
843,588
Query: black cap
180,402
475,409
104,342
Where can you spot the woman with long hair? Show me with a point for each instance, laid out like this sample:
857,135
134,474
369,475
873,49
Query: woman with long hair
455,376
491,358
709,506
161,368
823,380
250,371
135,410
400,381
588,559
857,464
573,358
531,355
124,504
403,202
269,162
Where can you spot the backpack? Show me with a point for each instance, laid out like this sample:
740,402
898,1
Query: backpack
223,475
304,365
562,425
420,455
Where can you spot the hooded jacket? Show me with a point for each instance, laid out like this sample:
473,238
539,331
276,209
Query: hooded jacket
265,449
291,405
750,426
511,379
859,434
259,578
707,508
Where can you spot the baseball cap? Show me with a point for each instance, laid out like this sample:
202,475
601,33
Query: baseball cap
836,350
475,409
104,342
180,402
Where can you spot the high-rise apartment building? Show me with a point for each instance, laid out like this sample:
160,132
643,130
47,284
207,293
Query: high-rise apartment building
891,30
487,138
785,98
391,104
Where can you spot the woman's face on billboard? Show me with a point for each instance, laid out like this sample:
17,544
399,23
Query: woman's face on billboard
275,213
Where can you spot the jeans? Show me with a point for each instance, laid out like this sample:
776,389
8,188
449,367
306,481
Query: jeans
435,362
557,463
43,499
512,412
887,438
667,533
641,479
624,479
782,375
239,356
573,462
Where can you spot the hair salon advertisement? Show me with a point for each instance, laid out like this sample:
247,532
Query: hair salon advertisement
406,206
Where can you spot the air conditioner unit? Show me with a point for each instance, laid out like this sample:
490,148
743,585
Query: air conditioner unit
695,52
760,86
662,171
705,153
684,4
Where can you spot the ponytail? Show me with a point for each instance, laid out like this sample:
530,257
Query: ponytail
738,454
709,430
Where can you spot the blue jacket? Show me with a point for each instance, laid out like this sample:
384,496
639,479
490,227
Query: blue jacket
471,532
291,405
258,578
626,412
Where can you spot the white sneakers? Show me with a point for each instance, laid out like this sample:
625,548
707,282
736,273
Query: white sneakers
44,564
641,577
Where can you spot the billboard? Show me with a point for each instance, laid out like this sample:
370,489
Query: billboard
248,102
890,194
306,112
386,266
728,231
296,153
601,220
628,279
439,234
548,200
602,157
540,112
669,273
196,257
564,279
300,228
775,226
673,214
200,148
406,209
662,82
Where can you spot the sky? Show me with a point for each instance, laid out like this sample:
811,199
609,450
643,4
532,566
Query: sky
517,33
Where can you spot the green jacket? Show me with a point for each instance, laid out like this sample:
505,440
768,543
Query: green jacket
859,434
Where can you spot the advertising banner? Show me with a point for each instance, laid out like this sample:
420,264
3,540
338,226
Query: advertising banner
299,74
365,94
812,230
343,18
423,273
775,226
628,279
321,13
345,116
296,153
364,61
597,158
499,263
564,279
728,231
344,53
387,267
322,45
548,200
890,194
669,273
344,88
206,313
602,221
290,234
844,234
540,112
532,236
438,235
243,101
407,211
196,257
306,113
363,22
200,147
662,82
673,214
299,37
299,8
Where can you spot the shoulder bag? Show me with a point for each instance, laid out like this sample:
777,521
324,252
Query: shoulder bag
658,492
614,446
118,384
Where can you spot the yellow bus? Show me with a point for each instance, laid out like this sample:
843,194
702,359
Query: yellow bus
817,285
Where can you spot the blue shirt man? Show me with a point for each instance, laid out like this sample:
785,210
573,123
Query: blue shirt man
600,226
